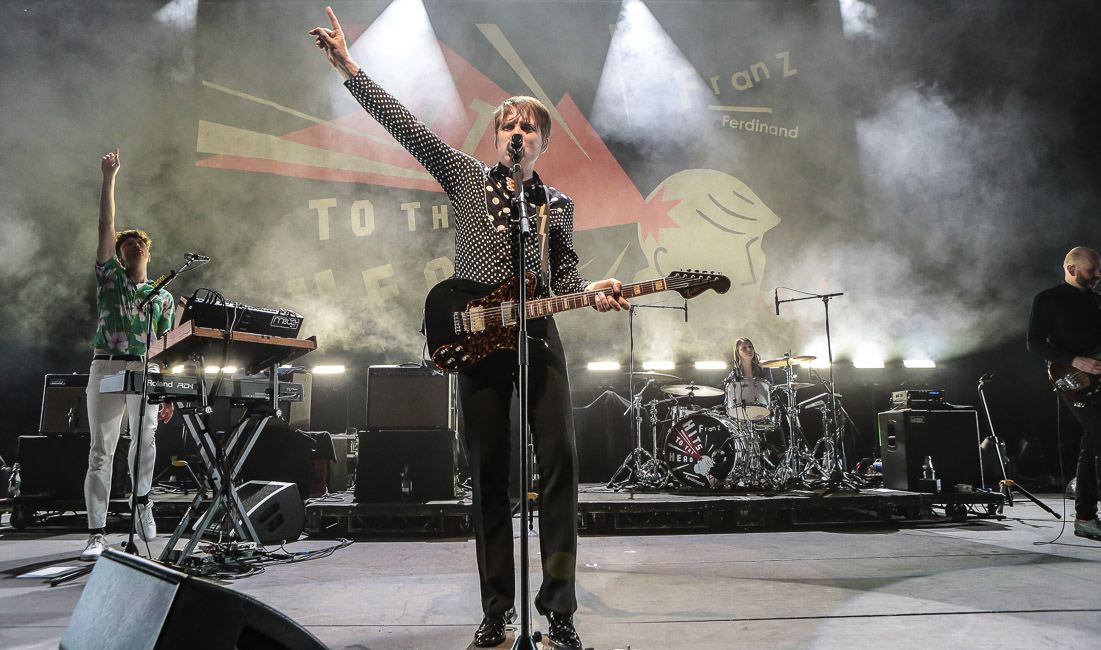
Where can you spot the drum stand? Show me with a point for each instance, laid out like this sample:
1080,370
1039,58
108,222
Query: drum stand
640,464
797,458
643,465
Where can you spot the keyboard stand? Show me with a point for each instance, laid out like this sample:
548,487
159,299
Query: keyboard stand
223,460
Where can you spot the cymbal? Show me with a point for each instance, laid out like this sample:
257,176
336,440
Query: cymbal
797,385
692,390
653,373
786,361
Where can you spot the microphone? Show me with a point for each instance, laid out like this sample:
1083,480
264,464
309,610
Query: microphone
516,147
194,257
776,297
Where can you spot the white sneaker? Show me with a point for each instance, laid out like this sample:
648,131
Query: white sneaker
146,527
96,544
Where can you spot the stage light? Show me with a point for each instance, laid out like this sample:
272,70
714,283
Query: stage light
868,362
177,369
658,365
328,370
919,363
603,365
823,362
213,370
710,365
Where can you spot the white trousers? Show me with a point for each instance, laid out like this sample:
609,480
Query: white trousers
105,413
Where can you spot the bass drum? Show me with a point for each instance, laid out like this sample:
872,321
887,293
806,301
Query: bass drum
702,449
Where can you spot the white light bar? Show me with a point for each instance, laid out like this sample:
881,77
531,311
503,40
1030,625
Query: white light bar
868,362
328,370
919,363
603,365
710,365
658,365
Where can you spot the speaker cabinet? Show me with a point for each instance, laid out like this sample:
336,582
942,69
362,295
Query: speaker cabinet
949,438
400,397
63,397
406,465
131,602
54,466
275,510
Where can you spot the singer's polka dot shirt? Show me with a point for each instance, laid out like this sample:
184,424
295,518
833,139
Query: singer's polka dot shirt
485,242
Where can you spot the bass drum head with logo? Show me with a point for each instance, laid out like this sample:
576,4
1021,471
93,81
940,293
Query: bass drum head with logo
701,449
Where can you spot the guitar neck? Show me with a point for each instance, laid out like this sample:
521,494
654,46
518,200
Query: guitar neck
547,306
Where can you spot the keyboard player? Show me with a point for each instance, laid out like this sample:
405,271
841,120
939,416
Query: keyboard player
121,283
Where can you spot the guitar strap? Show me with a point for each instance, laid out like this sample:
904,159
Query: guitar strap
544,246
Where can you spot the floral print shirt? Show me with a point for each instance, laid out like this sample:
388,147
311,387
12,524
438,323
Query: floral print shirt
121,328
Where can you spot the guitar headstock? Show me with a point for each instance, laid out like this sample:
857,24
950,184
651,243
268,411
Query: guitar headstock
690,284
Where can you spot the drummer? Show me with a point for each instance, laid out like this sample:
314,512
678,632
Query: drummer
747,363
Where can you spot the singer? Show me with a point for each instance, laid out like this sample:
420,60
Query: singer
1064,329
121,283
486,251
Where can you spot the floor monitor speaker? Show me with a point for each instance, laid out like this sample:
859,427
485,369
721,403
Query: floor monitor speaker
132,602
275,510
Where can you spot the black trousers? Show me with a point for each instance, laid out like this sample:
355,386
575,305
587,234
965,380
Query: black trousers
486,392
1089,460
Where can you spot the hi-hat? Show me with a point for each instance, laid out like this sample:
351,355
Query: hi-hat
692,390
653,373
786,361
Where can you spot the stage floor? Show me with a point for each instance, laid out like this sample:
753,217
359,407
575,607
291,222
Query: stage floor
935,582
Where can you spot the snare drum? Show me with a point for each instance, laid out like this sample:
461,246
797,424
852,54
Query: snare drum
748,399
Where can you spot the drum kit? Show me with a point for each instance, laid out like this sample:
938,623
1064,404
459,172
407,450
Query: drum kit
752,440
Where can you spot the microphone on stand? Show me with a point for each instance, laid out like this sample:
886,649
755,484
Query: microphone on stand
776,297
516,148
194,257
686,310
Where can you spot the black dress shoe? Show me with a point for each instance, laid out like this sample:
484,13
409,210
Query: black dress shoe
492,630
561,632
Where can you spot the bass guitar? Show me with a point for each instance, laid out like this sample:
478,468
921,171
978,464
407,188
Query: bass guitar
466,321
1079,386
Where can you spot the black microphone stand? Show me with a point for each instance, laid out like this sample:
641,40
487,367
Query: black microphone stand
131,547
1006,485
837,472
524,639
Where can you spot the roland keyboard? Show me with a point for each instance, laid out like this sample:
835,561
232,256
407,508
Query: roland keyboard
186,387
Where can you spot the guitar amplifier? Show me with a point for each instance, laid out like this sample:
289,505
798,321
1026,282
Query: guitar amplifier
64,407
948,438
410,397
239,318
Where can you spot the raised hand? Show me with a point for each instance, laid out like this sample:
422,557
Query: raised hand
332,42
110,163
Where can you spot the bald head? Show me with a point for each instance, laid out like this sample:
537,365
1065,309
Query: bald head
1082,267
